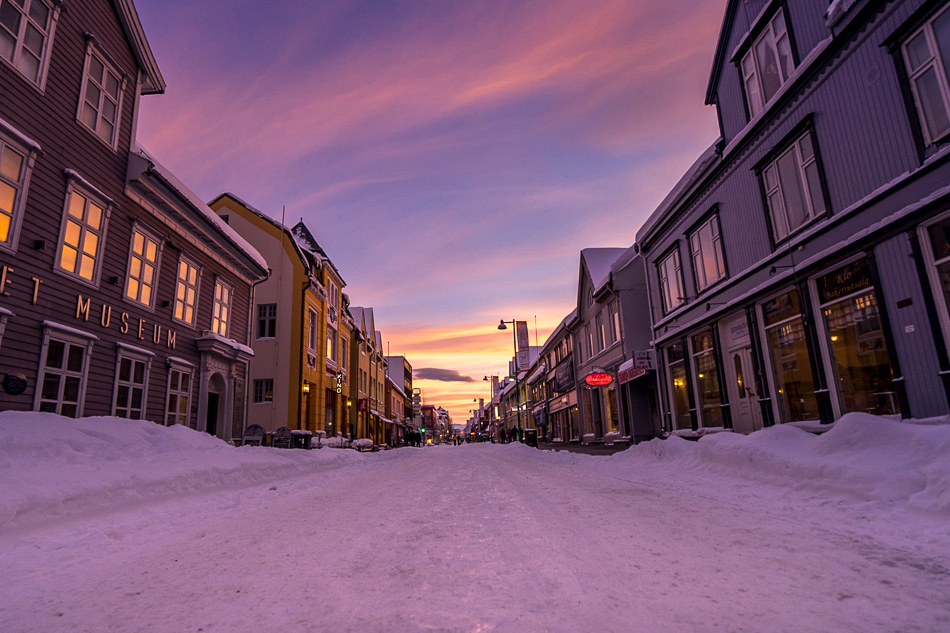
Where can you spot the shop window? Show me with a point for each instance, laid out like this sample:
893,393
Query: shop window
707,378
143,264
793,188
82,235
676,362
15,166
794,382
263,391
100,103
177,410
131,382
186,291
671,281
856,341
926,56
64,369
768,64
26,28
221,310
705,245
267,320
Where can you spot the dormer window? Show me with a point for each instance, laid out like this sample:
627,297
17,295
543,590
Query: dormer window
101,100
768,64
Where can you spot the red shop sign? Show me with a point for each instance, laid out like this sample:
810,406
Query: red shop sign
599,379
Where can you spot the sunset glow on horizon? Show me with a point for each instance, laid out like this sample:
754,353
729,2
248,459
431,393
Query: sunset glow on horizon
451,158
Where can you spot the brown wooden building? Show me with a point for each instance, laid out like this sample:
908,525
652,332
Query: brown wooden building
121,293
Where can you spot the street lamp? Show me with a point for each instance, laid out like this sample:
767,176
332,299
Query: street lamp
514,331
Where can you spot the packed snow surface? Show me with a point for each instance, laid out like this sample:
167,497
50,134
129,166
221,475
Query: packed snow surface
117,525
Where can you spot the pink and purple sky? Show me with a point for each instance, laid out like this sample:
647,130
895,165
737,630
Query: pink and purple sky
452,158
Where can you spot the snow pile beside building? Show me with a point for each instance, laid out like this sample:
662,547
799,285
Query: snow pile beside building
865,457
52,466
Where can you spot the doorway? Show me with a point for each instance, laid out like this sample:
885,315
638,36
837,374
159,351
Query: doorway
739,373
212,422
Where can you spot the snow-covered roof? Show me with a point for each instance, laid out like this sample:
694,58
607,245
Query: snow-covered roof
290,236
599,261
204,210
560,328
230,342
683,187
308,242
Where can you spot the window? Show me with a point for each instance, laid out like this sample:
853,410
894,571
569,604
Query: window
267,320
263,391
705,247
793,188
333,301
101,99
179,396
671,281
25,30
707,373
782,319
601,337
344,352
186,293
331,343
927,58
64,367
14,171
143,262
81,242
221,312
768,64
131,381
312,329
615,320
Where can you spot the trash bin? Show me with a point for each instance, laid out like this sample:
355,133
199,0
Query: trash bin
531,437
300,439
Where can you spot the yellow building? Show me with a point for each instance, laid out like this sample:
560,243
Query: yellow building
298,376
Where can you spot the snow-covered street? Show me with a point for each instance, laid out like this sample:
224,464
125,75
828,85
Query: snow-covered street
165,529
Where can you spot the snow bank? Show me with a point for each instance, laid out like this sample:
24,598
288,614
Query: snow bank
52,466
865,457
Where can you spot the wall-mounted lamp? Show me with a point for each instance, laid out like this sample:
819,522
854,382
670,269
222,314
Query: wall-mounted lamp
306,387
775,269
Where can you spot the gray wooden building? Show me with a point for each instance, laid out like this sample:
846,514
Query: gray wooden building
120,292
801,269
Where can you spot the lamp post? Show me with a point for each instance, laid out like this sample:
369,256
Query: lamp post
514,331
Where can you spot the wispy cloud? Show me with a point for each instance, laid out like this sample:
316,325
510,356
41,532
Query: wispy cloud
452,158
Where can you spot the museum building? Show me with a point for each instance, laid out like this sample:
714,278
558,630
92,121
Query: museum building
121,293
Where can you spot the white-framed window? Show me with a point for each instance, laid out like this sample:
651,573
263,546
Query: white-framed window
64,370
927,59
82,235
793,188
768,64
311,329
263,390
131,384
705,246
26,30
100,103
16,163
143,267
186,291
671,280
601,338
177,408
267,320
221,311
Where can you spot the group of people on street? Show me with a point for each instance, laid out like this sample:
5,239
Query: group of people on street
414,438
506,436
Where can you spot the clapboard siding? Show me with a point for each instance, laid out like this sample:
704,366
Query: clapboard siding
50,119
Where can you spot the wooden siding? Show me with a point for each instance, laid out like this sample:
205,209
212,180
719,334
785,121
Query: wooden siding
50,119
915,349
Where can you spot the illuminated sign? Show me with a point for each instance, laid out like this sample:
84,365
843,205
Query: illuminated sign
599,379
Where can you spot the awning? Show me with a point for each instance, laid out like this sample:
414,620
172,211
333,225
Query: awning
626,372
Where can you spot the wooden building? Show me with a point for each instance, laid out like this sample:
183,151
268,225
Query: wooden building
798,271
120,292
